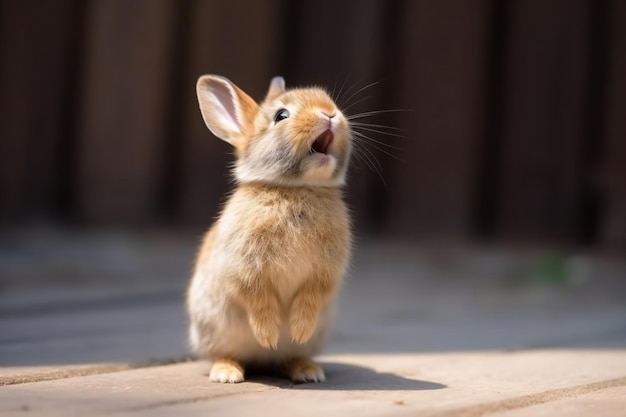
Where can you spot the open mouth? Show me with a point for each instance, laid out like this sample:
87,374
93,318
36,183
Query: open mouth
322,143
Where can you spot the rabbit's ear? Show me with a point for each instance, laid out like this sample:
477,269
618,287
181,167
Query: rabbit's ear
227,111
277,87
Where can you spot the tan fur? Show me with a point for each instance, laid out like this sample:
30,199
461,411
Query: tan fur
304,370
269,269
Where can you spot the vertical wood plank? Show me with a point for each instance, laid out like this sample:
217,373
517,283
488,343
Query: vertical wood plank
612,163
541,164
35,60
341,48
124,110
441,70
235,39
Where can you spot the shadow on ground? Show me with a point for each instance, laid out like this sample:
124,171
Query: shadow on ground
348,377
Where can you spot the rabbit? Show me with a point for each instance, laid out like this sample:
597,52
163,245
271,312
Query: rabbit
268,270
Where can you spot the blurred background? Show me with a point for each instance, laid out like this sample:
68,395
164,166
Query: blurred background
515,129
501,200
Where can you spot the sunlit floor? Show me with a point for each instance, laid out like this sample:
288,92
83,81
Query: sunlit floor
94,324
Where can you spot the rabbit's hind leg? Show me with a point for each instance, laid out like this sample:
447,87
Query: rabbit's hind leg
304,370
226,370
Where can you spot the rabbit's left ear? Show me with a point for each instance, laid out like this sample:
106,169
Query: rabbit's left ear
227,111
277,87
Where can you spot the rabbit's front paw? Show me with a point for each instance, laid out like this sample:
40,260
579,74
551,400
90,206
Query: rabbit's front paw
266,329
305,309
302,325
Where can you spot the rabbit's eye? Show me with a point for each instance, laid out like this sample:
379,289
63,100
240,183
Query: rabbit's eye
281,114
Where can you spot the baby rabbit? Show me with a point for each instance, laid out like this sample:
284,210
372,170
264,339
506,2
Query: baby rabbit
268,270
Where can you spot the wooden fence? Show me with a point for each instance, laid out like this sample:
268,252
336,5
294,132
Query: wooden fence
516,125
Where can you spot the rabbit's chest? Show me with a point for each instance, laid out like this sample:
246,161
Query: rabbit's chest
287,240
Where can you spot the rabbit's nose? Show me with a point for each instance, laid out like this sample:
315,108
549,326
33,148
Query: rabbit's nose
330,116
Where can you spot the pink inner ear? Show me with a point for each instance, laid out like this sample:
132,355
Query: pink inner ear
224,97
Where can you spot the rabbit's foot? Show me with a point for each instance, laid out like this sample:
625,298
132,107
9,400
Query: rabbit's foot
226,370
304,370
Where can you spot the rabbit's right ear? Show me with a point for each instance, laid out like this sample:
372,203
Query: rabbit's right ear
277,87
227,111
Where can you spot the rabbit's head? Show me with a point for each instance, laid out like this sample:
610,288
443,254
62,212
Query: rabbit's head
294,137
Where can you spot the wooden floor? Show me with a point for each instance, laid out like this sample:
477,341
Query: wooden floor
94,325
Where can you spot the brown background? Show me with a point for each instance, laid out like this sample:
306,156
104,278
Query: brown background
516,126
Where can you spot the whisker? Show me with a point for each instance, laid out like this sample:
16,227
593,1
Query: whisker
361,89
375,125
373,163
373,159
355,103
370,139
338,97
373,142
382,132
359,158
375,112
352,86
360,136
332,92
